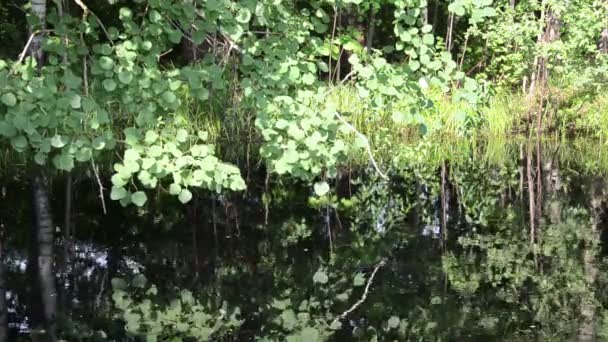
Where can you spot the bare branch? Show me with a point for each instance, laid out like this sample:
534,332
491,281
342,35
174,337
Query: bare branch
101,188
85,13
367,145
27,45
364,296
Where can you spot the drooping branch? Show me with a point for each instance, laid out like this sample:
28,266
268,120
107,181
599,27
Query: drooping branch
367,145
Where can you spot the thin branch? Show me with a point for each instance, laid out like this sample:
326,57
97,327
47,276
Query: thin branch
85,75
101,188
331,41
367,145
85,13
363,297
27,45
359,134
164,54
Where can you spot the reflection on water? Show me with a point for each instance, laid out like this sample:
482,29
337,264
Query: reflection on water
459,246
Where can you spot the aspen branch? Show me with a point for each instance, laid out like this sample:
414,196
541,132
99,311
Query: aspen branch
85,13
27,45
367,144
363,297
352,128
101,188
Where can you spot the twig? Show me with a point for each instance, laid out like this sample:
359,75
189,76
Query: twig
364,296
85,13
85,76
164,54
101,188
367,145
352,128
331,41
101,289
27,45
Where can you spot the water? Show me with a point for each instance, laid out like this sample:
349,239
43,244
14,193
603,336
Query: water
462,264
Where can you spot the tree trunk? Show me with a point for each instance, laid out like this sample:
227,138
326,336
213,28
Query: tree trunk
449,33
371,27
39,10
588,302
444,206
45,241
44,224
531,201
67,246
550,33
602,44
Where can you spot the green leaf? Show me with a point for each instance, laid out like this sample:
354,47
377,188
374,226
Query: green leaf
19,143
132,155
64,161
125,13
150,137
84,154
125,77
182,135
98,143
310,334
139,281
320,277
359,279
289,319
336,325
109,84
169,97
75,101
40,158
470,84
393,322
106,63
294,73
321,188
308,79
139,198
118,193
175,189
185,196
118,284
58,141
414,64
243,16
118,181
428,39
9,99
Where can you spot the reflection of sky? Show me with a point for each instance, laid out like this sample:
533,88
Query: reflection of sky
431,230
90,260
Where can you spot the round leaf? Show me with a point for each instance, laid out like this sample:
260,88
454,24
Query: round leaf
320,277
109,84
185,196
9,99
139,198
321,188
243,16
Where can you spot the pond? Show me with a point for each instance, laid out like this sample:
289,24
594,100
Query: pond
493,240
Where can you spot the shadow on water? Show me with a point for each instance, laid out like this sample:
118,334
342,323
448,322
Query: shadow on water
484,243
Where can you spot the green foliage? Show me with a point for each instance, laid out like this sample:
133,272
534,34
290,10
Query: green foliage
145,315
171,153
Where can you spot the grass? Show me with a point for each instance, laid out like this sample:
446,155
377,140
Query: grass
502,113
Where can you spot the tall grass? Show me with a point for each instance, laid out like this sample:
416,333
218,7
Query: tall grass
502,114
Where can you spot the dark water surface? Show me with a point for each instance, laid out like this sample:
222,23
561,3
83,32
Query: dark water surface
495,242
